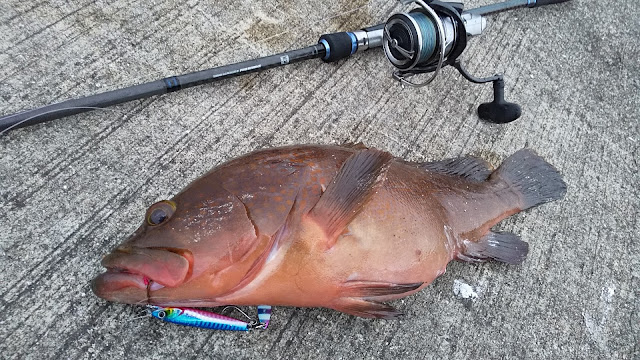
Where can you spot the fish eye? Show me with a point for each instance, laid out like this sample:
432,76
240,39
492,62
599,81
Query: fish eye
160,212
162,314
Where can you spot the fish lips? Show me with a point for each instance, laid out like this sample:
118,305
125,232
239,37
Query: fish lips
130,270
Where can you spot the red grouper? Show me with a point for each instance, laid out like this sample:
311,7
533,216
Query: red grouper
345,228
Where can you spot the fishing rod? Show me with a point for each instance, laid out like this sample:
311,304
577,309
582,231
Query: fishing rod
424,40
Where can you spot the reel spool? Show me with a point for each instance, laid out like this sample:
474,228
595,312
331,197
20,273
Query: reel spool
432,36
417,39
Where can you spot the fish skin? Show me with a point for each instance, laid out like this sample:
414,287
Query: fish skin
345,228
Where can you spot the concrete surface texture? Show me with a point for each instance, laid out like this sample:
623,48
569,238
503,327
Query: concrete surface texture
72,189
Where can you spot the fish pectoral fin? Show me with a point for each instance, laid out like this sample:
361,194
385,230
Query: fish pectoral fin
349,191
377,290
367,309
501,246
468,167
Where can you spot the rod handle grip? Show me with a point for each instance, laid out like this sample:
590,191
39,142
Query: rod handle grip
338,45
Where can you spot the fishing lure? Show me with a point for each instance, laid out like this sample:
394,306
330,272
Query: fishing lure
208,320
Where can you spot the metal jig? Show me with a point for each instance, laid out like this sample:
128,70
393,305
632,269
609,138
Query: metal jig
209,320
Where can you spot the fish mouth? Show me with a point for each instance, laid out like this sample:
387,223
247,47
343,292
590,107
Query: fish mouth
133,273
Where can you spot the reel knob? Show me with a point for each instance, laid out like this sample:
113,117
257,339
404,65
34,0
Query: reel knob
499,111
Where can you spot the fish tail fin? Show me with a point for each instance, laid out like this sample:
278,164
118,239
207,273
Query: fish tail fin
534,180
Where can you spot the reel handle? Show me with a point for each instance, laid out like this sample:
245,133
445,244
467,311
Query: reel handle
499,111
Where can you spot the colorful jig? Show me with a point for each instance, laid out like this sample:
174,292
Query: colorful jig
208,320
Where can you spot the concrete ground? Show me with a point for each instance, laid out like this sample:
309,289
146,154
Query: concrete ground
74,188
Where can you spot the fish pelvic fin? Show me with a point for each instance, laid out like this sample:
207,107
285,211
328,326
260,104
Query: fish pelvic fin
363,298
500,246
469,167
349,191
376,290
533,179
367,309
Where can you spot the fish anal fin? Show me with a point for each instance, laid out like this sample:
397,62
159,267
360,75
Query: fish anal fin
367,309
349,191
375,290
501,246
468,167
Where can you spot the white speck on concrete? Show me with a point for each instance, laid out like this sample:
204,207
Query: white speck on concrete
464,290
608,292
596,324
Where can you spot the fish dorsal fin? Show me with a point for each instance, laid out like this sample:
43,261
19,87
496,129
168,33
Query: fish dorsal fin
467,166
356,146
349,191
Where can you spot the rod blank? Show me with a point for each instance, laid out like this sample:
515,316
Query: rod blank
158,87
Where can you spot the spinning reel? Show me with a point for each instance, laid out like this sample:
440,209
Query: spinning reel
434,35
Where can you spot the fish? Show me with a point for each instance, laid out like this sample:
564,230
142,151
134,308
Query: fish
348,228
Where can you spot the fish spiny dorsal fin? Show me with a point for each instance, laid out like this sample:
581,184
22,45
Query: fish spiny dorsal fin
349,191
355,146
468,167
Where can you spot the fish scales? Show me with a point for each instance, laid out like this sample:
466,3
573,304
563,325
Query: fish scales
345,228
